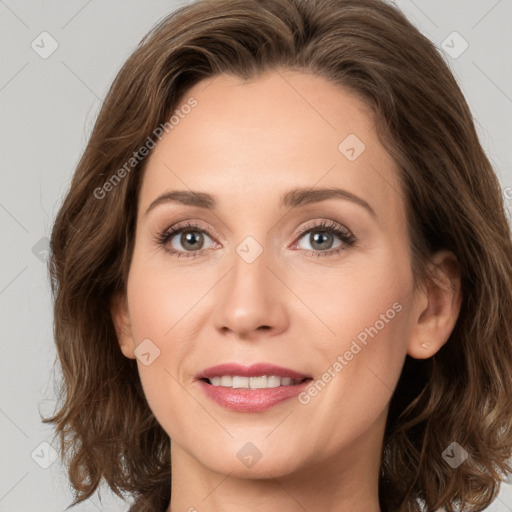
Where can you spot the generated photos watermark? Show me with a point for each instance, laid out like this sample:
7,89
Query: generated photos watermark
138,156
355,348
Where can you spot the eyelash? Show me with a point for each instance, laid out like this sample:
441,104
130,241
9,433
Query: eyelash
347,238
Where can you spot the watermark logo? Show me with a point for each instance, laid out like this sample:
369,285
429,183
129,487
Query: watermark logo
41,250
44,45
455,455
249,455
146,352
454,45
351,147
249,249
44,455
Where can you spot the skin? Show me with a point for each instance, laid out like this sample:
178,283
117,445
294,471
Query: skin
246,143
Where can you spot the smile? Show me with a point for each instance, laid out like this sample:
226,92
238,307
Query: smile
260,382
254,388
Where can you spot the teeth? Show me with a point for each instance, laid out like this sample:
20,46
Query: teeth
240,382
261,382
273,381
226,381
258,382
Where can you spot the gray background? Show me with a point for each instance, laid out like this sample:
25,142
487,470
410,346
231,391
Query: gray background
47,108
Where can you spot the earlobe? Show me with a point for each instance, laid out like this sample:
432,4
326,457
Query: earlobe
122,325
439,308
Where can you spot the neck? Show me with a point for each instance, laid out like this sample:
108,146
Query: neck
346,482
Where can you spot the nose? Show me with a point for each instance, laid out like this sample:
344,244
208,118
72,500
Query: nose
250,302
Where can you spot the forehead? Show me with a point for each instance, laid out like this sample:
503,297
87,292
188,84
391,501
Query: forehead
249,140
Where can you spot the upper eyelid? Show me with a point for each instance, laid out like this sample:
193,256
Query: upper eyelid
190,225
324,223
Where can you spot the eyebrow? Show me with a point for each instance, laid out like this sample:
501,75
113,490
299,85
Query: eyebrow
291,198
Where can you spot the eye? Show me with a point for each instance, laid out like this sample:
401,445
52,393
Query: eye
189,238
325,238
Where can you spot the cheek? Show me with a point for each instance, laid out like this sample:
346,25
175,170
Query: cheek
365,301
164,307
161,298
366,311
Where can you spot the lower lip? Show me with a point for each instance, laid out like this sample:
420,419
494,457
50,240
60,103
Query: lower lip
251,400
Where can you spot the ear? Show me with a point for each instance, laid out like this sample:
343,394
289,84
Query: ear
437,306
122,324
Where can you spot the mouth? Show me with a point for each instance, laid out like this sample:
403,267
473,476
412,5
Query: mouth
258,382
254,388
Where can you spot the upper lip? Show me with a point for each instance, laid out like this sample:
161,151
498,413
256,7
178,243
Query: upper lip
253,370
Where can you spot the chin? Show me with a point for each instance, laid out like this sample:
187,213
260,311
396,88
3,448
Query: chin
247,460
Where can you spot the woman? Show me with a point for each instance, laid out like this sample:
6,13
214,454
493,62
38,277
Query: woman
269,372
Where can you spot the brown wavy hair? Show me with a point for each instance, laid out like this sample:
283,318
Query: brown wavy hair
105,426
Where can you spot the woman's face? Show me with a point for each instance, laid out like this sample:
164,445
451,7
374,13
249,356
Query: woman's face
293,253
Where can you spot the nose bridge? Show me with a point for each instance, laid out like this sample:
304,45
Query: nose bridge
250,296
250,267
